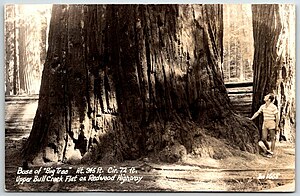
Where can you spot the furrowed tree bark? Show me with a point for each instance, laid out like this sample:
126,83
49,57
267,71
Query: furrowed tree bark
286,83
125,81
274,61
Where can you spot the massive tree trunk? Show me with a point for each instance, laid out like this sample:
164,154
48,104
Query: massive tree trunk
123,81
286,83
274,61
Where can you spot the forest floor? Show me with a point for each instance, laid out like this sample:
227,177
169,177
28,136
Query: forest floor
247,172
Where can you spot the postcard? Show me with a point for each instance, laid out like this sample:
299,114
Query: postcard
150,97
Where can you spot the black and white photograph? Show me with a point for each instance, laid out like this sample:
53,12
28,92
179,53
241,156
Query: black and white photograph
150,97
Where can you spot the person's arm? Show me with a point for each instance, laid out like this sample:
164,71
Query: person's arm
256,113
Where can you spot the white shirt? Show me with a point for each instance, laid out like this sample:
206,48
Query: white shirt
269,112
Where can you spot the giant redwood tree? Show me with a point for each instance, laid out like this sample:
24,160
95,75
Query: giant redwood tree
274,61
125,81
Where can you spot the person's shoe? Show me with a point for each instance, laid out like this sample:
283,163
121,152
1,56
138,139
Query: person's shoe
262,146
270,152
269,155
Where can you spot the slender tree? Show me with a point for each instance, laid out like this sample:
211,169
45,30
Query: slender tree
9,48
123,81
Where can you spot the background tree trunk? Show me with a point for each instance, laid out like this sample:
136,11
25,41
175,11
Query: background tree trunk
16,76
26,37
23,67
123,81
9,48
274,61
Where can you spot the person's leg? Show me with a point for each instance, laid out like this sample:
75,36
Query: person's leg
273,139
264,137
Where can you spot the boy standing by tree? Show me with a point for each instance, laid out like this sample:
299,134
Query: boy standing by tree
270,123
